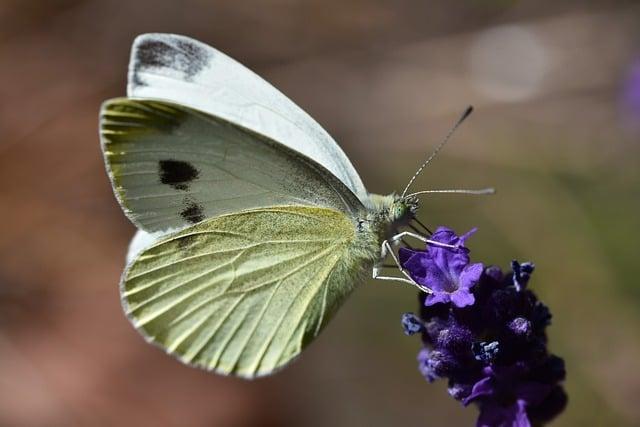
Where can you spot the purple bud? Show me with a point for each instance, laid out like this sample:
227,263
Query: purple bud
485,352
521,274
425,368
433,328
459,390
456,339
501,306
520,327
437,364
494,272
411,324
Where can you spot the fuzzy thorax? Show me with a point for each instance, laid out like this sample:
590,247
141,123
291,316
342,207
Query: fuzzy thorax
386,214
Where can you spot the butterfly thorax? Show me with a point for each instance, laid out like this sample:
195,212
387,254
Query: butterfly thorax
387,214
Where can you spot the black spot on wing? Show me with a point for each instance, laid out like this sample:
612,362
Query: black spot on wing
181,55
192,212
177,173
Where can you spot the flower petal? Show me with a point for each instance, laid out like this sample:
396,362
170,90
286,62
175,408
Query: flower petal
415,265
470,275
466,235
457,260
436,298
462,298
445,235
521,419
404,254
484,387
435,278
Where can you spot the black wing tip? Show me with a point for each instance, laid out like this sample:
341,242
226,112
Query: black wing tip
164,50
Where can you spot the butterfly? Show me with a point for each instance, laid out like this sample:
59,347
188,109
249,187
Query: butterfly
253,225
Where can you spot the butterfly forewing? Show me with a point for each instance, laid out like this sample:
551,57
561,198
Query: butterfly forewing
185,71
172,167
244,293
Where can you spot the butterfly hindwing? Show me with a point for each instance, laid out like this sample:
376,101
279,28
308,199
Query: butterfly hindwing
187,72
244,293
172,167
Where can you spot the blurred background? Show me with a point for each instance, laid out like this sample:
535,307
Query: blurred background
556,86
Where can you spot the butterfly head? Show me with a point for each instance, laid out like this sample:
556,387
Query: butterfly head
403,209
388,213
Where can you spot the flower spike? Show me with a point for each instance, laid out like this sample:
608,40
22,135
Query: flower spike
485,332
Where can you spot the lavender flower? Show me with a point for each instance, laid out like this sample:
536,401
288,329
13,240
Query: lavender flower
445,271
484,331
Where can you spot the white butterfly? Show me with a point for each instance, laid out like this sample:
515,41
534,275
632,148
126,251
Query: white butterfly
253,224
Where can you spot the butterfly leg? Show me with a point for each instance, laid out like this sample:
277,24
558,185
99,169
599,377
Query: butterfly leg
423,239
386,249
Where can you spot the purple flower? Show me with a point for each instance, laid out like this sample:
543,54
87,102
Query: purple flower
444,270
494,351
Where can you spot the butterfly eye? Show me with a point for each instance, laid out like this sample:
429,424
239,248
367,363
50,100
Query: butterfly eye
398,210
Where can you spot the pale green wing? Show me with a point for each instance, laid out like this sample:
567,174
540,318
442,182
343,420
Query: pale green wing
171,167
244,293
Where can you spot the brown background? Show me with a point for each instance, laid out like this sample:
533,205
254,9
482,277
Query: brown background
386,79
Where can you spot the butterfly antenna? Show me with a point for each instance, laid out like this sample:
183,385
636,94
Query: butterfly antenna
435,152
481,192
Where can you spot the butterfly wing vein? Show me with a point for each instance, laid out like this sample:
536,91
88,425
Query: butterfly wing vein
243,293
